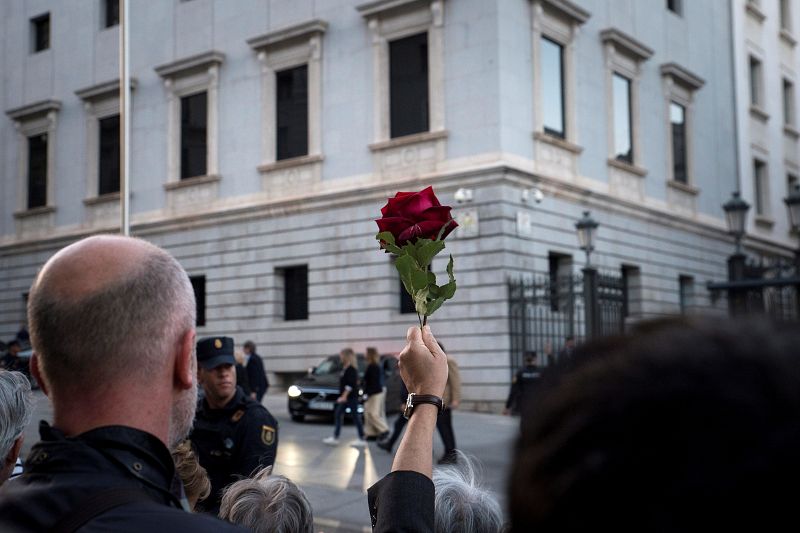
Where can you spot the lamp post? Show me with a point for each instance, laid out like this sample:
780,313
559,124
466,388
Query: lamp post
736,216
586,229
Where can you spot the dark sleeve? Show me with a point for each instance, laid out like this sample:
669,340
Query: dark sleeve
258,379
514,392
402,502
371,377
259,441
242,379
351,378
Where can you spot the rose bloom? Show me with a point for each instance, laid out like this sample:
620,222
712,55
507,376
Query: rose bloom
412,215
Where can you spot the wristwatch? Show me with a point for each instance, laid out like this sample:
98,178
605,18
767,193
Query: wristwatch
416,399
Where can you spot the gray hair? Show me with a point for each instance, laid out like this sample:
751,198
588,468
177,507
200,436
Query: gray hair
137,319
16,408
267,504
461,504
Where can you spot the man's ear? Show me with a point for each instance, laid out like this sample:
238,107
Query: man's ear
37,373
185,361
13,453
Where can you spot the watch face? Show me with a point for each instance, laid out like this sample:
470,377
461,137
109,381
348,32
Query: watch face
409,406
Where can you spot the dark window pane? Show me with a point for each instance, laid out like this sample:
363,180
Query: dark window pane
295,295
760,187
755,81
675,6
292,112
112,13
623,139
552,60
788,103
193,135
41,32
108,164
406,301
199,287
677,118
37,171
408,85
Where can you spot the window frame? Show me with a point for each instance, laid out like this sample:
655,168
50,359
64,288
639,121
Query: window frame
186,142
680,86
200,298
107,22
395,132
35,28
761,189
282,273
291,151
789,107
676,7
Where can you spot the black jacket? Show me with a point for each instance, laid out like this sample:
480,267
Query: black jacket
256,377
373,379
402,502
233,442
349,378
62,473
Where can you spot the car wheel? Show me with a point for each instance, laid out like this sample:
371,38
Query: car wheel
298,418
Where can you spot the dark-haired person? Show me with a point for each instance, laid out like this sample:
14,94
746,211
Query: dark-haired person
523,384
256,376
681,426
112,326
233,434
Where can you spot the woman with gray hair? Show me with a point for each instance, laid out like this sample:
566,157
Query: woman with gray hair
461,504
16,407
267,504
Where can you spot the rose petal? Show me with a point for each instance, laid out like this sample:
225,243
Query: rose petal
441,213
412,206
409,234
395,225
429,229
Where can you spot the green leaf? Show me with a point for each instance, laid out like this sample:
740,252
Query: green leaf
405,265
427,252
419,279
385,236
411,250
448,290
431,278
421,301
441,230
434,305
450,269
434,290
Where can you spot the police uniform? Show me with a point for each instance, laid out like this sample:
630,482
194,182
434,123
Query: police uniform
522,387
236,440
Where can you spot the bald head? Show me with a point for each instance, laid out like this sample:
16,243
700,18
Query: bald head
107,309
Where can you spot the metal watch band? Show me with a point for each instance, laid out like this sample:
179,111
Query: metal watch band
416,399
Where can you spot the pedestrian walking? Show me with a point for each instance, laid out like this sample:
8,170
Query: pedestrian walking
256,376
523,384
452,399
375,426
399,423
348,398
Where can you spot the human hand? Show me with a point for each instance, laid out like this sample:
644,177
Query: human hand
341,399
422,363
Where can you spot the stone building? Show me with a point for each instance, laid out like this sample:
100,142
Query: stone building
267,134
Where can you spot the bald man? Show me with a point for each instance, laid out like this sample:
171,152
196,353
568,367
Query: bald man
112,325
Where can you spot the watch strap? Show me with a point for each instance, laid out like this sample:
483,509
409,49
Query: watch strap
417,399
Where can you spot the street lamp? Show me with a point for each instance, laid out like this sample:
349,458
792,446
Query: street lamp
586,228
793,206
736,215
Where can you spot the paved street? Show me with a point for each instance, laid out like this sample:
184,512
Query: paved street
335,479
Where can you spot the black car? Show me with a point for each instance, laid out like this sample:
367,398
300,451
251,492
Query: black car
316,392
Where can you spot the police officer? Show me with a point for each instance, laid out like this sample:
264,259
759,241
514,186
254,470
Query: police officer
233,434
523,384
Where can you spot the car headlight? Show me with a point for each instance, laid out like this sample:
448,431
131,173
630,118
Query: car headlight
294,391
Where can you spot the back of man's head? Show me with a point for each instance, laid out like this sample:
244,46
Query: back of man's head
267,504
461,504
679,427
16,407
105,309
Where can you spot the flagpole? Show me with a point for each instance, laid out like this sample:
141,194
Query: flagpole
124,120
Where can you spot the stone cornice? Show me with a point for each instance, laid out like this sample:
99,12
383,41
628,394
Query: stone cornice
683,76
297,31
186,65
565,8
626,44
102,90
379,7
32,110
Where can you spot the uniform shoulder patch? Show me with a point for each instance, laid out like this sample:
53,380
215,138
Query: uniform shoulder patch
267,435
237,415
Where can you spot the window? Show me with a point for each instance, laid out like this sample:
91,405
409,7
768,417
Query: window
40,33
109,154
408,85
111,13
292,112
788,103
295,292
786,15
37,171
685,293
756,98
559,270
552,61
199,287
676,6
791,181
632,287
677,120
623,139
406,301
194,112
760,188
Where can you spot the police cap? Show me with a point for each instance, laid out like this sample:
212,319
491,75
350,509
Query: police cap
215,351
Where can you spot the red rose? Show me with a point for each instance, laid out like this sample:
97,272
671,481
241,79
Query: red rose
411,215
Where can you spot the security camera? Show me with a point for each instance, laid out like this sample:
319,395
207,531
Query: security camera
537,194
463,195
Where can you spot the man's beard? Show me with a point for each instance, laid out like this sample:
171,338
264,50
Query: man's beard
182,416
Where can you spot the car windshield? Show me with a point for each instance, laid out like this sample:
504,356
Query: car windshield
332,365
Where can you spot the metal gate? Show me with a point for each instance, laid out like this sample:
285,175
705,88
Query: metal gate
544,311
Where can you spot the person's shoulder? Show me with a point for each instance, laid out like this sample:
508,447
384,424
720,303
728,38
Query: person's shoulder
144,517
